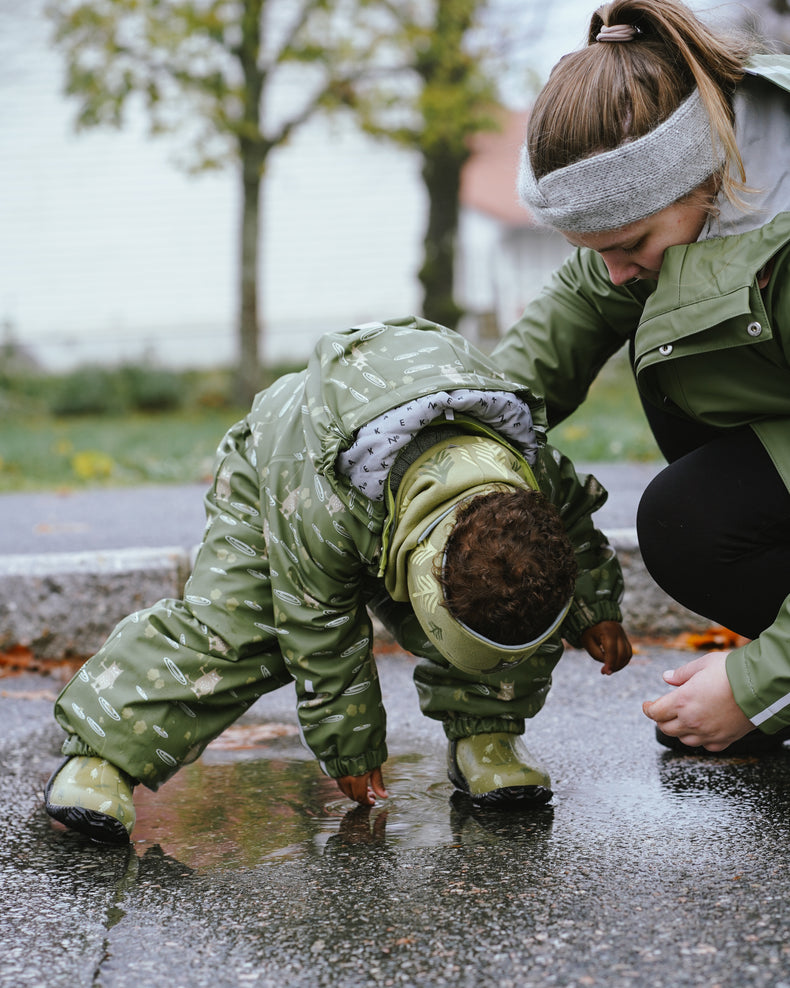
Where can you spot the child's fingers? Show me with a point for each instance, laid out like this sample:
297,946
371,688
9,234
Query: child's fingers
618,654
609,644
356,787
377,783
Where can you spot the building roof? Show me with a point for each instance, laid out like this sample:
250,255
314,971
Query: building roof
488,179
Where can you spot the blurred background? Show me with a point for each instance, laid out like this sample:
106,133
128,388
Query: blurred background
203,188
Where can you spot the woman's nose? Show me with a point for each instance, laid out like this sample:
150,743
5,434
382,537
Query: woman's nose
621,271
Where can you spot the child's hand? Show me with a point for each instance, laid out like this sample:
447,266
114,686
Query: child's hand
607,642
363,789
702,710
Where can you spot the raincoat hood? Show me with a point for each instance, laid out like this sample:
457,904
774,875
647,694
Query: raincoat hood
355,376
432,491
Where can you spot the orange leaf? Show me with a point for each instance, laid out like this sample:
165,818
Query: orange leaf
711,640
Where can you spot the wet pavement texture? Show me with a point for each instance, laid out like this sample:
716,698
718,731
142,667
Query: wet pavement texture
250,868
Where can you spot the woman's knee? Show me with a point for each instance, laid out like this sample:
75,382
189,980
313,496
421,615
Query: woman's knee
663,522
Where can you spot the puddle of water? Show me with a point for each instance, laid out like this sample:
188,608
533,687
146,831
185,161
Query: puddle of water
239,814
261,798
671,810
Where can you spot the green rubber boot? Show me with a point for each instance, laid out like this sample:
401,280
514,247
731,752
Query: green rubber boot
497,770
93,796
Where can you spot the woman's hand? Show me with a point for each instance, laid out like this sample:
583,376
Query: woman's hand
702,710
607,642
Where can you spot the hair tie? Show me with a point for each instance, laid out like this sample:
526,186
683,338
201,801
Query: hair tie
617,32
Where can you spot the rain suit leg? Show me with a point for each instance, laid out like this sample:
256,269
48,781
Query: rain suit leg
171,678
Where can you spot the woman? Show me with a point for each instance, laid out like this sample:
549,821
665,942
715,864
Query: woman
660,151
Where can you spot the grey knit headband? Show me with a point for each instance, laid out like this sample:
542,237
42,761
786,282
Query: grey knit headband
635,180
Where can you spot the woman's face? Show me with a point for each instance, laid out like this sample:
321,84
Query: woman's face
637,250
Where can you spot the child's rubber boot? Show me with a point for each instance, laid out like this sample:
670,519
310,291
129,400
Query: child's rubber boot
93,796
496,770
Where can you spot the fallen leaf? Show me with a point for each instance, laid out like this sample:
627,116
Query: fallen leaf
17,657
60,528
711,640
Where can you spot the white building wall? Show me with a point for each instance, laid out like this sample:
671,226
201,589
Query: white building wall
500,269
109,252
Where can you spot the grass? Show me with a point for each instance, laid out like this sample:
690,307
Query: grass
138,448
610,425
125,445
97,427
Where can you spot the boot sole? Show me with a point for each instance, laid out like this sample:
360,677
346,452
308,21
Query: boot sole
513,797
98,826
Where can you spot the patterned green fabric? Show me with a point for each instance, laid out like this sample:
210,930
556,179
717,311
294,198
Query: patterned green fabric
292,555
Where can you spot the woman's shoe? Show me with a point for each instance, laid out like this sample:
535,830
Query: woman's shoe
756,742
496,770
93,796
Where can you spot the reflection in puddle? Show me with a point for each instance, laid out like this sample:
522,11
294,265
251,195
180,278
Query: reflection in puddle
241,813
262,799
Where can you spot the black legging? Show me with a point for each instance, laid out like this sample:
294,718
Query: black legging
714,525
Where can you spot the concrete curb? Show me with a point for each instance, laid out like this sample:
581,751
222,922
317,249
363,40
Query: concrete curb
63,605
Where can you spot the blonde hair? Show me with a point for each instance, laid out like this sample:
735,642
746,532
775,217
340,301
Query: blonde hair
609,93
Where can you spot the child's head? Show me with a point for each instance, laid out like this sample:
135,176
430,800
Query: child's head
639,119
508,566
493,579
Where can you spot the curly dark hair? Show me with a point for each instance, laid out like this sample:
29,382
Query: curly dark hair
509,566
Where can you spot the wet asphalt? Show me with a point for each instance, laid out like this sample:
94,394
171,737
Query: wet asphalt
97,519
250,868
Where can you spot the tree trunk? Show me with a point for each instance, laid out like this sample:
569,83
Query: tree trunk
248,370
252,154
441,173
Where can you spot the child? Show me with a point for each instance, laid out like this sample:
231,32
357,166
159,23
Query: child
401,472
660,150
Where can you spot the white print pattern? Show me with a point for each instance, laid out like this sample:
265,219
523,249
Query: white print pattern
368,461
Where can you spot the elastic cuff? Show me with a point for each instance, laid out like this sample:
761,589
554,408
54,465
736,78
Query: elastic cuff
579,620
764,712
465,727
74,745
336,768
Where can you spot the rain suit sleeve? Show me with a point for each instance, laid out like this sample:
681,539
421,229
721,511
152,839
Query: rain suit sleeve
599,585
759,673
569,331
326,639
